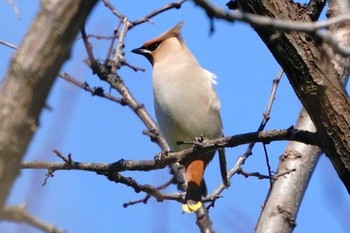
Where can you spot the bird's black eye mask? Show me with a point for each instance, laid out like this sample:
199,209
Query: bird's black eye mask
153,46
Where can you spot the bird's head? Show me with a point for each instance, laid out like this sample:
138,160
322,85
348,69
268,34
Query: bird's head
162,46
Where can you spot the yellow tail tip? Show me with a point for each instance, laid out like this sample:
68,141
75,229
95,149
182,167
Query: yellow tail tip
190,208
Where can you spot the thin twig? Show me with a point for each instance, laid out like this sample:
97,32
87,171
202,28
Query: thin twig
113,9
148,196
169,6
96,91
260,176
88,46
150,190
110,48
97,37
8,44
49,174
67,159
267,163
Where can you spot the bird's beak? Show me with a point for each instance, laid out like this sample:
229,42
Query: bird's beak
139,51
144,52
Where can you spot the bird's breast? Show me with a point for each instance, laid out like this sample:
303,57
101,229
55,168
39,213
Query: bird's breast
186,107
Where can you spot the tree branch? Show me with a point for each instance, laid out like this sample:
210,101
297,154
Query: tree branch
150,190
19,214
147,197
96,91
271,21
199,148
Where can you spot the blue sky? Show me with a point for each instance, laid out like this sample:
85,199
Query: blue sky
96,130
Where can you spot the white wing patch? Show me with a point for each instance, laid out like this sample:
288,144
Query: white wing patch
213,98
211,78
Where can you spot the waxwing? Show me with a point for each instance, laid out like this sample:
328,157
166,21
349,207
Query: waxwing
186,106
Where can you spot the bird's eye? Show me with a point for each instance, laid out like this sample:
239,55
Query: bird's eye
153,46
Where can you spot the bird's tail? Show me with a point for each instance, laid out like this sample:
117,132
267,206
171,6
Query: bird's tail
223,167
194,176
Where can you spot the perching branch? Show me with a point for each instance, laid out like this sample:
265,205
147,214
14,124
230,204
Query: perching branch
199,148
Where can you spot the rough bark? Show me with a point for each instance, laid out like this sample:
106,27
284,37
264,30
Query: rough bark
29,78
283,201
313,78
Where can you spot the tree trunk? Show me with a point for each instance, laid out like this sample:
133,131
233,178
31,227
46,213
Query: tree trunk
29,79
284,199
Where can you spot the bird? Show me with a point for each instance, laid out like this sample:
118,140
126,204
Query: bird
186,106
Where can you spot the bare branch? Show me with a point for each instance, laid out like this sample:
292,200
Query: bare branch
260,176
268,22
19,214
148,196
96,91
150,190
8,44
88,46
148,17
171,157
260,21
113,9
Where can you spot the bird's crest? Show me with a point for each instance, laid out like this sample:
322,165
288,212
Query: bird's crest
173,32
